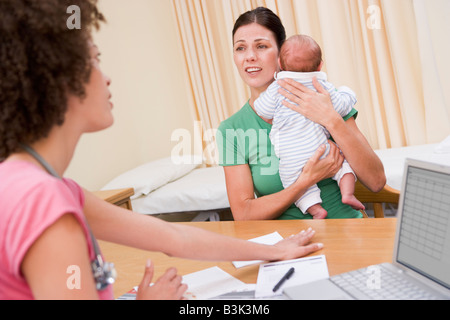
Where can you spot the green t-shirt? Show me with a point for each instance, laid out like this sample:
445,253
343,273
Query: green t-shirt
244,139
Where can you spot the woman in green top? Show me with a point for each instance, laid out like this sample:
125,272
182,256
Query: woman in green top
253,184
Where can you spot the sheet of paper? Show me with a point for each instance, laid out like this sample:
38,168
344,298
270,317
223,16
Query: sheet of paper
210,283
306,270
269,239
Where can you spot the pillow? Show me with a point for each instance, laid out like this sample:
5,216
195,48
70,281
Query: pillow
152,175
202,189
444,146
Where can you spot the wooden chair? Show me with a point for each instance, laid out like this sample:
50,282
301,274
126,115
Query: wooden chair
387,195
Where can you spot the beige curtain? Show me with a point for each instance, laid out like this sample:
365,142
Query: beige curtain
393,54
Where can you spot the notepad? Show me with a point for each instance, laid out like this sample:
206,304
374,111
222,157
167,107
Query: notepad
306,270
204,284
209,283
268,239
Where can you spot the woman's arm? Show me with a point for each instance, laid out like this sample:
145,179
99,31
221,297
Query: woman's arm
112,223
70,275
241,194
317,106
361,157
57,265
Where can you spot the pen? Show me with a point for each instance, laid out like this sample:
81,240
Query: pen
285,277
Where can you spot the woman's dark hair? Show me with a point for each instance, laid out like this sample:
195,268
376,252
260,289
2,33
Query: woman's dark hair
266,18
42,60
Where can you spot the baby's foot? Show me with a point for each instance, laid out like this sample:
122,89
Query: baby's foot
352,202
317,211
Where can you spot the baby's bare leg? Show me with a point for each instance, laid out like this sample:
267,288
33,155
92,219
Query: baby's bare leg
317,211
347,186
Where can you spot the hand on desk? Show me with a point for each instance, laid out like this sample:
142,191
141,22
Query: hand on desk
297,245
167,287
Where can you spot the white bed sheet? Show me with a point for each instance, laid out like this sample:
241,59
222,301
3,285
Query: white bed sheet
202,189
394,159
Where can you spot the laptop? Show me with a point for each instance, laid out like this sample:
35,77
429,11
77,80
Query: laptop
421,262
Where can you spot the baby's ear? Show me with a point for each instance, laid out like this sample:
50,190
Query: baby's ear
279,64
320,66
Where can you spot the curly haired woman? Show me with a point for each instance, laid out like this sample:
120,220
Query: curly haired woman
52,91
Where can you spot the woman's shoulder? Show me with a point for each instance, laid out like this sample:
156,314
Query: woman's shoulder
23,175
244,119
25,186
236,118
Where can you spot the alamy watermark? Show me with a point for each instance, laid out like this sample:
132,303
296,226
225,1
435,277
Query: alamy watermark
374,19
251,146
374,278
74,280
207,144
74,20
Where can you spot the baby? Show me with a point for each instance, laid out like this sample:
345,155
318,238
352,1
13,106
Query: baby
295,138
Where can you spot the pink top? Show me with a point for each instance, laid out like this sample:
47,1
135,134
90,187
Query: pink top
31,200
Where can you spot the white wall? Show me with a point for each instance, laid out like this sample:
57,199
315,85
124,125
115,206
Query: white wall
142,55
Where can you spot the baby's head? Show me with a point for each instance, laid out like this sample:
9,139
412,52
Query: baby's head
301,53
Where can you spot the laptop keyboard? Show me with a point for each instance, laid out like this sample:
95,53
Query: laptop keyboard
391,286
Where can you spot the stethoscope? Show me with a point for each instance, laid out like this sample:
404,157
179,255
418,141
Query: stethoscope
104,272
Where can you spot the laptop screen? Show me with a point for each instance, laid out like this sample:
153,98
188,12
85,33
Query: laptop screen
424,239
